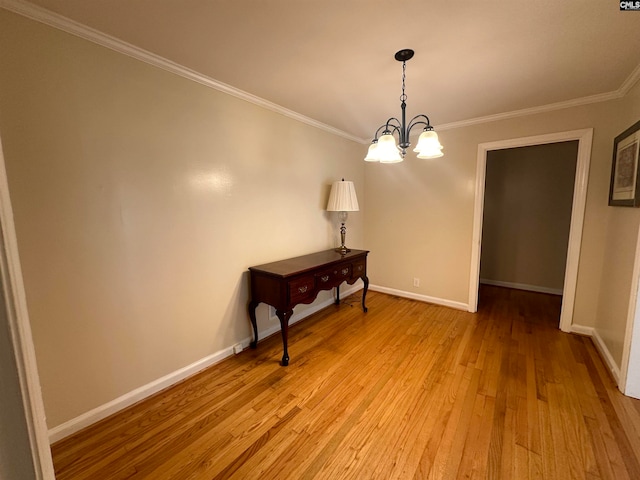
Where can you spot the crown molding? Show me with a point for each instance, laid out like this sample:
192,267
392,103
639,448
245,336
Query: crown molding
60,22
65,24
601,97
630,81
626,86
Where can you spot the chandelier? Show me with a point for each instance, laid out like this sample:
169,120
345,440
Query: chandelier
385,149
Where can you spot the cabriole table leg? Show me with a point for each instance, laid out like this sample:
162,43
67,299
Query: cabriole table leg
365,279
254,324
284,327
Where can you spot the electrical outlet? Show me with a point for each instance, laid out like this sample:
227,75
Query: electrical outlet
272,312
416,282
237,348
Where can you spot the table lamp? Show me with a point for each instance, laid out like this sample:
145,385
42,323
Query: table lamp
343,199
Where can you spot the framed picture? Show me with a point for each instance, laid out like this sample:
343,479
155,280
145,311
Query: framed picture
624,190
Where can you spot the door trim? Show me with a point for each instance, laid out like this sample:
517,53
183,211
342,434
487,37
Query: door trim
628,384
20,331
585,138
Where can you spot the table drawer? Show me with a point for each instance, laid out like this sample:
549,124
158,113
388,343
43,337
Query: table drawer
359,269
343,271
326,279
334,276
301,289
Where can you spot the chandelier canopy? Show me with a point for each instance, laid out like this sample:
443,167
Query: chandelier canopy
385,149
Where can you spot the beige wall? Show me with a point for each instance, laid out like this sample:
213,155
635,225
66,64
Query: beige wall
140,199
619,250
527,214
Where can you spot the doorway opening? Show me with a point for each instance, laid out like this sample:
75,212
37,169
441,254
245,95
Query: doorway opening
527,214
584,139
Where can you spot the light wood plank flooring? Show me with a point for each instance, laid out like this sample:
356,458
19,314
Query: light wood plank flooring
408,390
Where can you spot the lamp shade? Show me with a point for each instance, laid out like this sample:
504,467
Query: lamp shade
387,150
343,197
428,145
371,153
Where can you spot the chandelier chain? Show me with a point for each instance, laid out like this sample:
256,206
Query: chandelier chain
403,97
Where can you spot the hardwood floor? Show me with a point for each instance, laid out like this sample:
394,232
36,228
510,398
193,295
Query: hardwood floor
408,390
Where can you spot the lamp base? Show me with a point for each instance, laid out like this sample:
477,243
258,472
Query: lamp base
343,234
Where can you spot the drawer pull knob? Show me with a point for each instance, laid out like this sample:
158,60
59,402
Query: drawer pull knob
325,278
302,289
359,268
345,271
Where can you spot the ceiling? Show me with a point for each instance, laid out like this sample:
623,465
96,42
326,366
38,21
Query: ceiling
333,60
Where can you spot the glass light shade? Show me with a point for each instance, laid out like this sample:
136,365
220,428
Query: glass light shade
343,197
387,150
428,145
371,153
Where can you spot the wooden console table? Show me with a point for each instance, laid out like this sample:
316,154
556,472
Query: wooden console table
287,283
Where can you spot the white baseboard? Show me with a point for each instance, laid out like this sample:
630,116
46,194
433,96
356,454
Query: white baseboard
103,411
92,416
582,330
522,286
601,347
421,298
